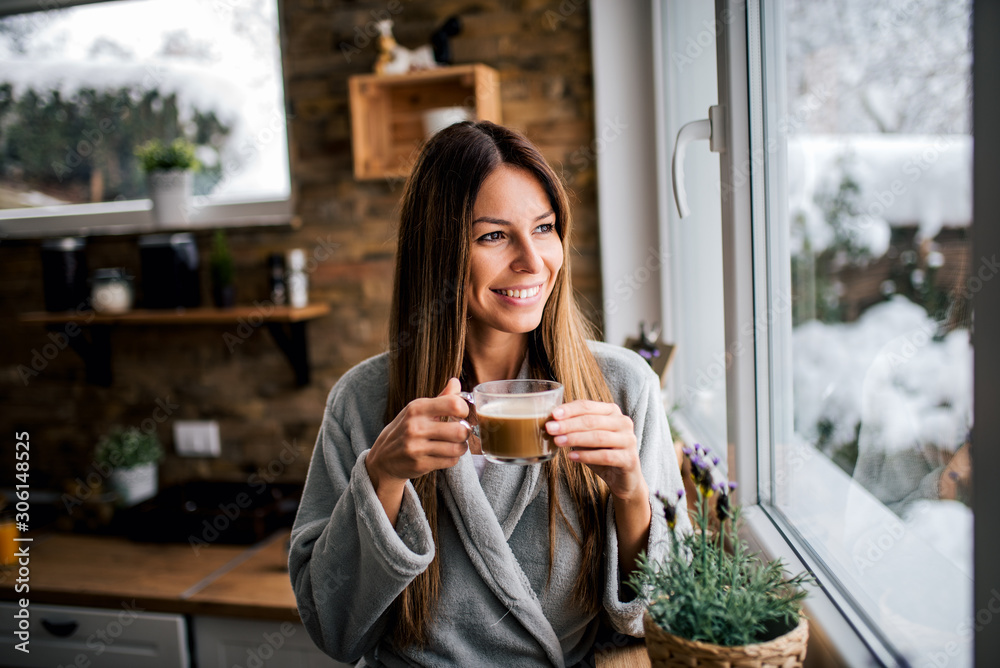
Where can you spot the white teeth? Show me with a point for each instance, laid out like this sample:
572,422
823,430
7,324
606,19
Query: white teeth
521,294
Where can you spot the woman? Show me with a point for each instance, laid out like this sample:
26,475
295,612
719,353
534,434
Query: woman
408,551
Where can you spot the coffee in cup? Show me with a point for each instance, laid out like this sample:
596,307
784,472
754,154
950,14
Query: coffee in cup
512,416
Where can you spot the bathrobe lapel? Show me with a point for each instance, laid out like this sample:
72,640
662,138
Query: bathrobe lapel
484,528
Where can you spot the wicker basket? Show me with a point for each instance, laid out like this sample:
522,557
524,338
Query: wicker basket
668,651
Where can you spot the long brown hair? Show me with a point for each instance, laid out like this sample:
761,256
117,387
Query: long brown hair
428,328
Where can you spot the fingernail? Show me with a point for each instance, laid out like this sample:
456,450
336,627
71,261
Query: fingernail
558,413
560,440
574,455
552,427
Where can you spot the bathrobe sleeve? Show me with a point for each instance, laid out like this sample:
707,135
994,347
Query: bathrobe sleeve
346,561
637,390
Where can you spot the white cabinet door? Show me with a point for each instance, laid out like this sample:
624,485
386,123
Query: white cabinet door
93,637
223,642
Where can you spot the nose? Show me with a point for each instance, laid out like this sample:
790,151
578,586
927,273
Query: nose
527,259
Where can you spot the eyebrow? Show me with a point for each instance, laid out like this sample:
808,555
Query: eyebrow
501,221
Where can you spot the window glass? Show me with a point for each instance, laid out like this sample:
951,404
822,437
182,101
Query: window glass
82,87
869,170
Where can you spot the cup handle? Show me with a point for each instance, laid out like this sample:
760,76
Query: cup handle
473,431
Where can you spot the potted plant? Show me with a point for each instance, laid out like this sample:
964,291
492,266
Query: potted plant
223,271
711,601
133,458
169,170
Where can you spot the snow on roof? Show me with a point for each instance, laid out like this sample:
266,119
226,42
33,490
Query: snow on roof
903,179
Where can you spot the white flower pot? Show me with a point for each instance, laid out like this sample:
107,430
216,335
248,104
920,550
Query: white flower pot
170,192
136,484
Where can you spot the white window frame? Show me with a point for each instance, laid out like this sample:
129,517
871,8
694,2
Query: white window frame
840,636
135,216
844,631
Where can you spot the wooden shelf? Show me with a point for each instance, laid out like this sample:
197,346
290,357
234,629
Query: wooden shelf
386,112
93,340
188,316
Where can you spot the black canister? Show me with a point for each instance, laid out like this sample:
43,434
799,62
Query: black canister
276,277
64,274
169,271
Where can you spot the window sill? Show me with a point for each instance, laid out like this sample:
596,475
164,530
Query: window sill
135,217
833,639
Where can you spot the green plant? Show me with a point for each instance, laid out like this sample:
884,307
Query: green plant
127,448
710,587
221,261
157,156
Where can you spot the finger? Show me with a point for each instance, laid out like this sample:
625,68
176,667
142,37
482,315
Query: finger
595,439
445,405
590,422
453,386
602,457
436,430
445,449
584,406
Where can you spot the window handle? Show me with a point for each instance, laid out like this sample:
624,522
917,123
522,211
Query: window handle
712,129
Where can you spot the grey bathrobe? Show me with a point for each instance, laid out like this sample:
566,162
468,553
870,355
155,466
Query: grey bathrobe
348,563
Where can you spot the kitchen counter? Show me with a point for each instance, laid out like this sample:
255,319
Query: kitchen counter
218,580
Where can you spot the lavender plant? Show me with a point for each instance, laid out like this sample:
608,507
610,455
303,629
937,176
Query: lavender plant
710,587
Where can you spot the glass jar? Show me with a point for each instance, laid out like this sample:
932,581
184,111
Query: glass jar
111,291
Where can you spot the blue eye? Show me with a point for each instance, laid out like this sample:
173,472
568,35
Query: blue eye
546,228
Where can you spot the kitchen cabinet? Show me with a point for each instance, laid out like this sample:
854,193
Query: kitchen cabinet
223,642
94,637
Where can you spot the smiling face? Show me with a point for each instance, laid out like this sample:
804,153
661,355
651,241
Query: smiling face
515,256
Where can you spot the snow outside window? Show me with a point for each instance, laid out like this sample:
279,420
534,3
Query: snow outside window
82,87
867,167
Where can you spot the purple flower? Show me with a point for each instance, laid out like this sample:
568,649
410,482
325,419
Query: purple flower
722,506
670,509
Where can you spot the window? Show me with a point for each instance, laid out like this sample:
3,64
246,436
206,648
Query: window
82,87
844,264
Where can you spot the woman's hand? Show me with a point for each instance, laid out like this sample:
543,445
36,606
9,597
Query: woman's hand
600,436
421,439
604,439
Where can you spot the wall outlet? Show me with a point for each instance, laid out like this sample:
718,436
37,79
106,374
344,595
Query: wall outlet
197,438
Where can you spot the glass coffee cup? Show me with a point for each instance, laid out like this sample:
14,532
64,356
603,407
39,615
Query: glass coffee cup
511,418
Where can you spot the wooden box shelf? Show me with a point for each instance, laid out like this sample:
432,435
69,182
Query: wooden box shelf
386,112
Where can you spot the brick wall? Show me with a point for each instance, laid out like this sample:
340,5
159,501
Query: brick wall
542,51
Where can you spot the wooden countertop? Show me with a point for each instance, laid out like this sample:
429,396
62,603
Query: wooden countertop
219,580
